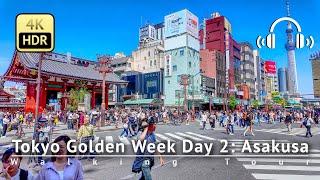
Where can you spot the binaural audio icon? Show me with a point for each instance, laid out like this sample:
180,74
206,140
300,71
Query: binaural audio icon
270,40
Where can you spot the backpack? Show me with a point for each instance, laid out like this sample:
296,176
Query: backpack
23,174
137,164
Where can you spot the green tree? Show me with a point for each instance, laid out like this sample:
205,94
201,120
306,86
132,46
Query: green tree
232,102
255,104
77,96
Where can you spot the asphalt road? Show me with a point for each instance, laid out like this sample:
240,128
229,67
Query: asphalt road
239,167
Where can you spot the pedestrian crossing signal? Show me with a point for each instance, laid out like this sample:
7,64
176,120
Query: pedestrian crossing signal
34,32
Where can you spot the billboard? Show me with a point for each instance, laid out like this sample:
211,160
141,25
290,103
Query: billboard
147,32
181,22
270,67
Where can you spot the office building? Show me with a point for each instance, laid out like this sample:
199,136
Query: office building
181,57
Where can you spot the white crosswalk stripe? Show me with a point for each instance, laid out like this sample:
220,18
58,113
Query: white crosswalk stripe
291,169
294,132
164,137
285,176
124,140
189,136
175,136
281,168
109,139
201,136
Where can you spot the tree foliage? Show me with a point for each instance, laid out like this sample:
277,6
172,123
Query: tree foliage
255,104
232,102
77,96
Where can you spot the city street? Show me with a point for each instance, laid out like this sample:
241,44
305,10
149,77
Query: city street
206,167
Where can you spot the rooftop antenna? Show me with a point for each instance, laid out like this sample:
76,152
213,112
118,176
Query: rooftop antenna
288,7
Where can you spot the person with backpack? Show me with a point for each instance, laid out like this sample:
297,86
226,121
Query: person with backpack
12,171
143,163
132,124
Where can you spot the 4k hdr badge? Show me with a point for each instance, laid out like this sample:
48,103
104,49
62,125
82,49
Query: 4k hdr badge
34,32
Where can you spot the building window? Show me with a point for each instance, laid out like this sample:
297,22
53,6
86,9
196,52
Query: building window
181,52
150,63
155,62
168,81
174,68
149,53
189,64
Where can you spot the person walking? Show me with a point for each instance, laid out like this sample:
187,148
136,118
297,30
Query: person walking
288,121
308,123
6,122
248,123
86,132
204,118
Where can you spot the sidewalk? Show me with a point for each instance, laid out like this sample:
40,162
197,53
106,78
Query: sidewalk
60,129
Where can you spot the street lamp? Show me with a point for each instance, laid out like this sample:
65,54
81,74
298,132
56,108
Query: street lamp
193,110
103,68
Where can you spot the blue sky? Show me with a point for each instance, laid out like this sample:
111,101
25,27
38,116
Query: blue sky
88,28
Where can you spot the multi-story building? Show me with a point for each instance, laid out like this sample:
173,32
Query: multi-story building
143,85
181,57
208,66
315,63
149,57
120,64
259,74
150,53
217,35
248,69
271,78
221,74
282,76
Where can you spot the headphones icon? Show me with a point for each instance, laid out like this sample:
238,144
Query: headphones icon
271,37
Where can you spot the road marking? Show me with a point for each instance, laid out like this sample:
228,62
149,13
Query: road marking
285,176
274,160
189,136
175,136
164,137
201,136
282,168
109,139
124,140
315,150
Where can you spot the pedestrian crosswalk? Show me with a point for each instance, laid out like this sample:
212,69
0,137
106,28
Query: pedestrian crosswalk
284,168
172,136
295,131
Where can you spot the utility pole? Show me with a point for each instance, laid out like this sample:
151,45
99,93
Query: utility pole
185,82
103,68
38,95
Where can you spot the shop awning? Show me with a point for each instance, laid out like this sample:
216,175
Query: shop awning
142,102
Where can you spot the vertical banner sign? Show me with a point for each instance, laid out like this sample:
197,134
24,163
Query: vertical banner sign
35,32
168,69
